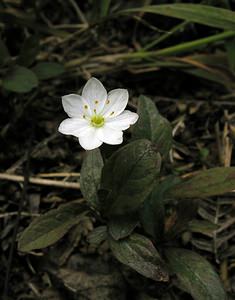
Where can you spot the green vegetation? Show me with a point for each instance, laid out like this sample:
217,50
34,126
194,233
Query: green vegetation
151,219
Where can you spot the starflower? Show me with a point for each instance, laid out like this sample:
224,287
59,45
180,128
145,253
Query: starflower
97,117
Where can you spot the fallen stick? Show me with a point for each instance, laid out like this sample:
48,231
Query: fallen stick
41,181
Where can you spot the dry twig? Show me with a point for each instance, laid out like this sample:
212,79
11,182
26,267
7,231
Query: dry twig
41,181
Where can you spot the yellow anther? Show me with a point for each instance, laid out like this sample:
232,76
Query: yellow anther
107,101
112,113
85,106
96,101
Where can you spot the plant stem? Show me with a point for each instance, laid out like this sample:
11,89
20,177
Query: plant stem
173,50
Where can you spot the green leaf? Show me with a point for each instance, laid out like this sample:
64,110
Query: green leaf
152,214
152,126
147,297
4,53
196,276
212,182
128,176
100,8
48,70
184,212
230,47
50,227
20,80
202,14
91,176
98,235
104,7
122,226
139,253
29,51
216,75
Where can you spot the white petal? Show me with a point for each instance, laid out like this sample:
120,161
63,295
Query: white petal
123,121
73,105
110,136
95,94
90,140
116,103
74,126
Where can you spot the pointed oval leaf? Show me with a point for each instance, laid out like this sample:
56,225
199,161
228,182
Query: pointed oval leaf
98,235
195,275
91,176
212,182
48,70
152,126
20,80
50,227
122,226
139,253
128,176
152,214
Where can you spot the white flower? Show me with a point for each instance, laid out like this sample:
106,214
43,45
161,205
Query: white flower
96,117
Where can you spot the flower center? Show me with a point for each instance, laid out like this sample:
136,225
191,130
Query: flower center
97,121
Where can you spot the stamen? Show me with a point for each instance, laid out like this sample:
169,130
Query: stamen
95,111
85,106
107,101
112,113
96,101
